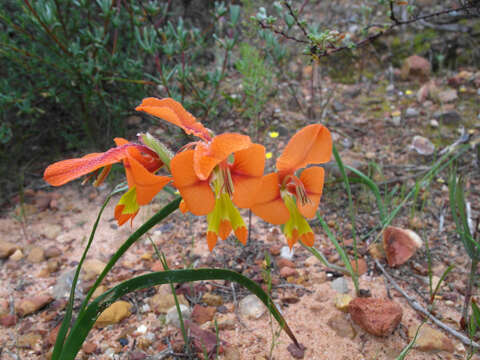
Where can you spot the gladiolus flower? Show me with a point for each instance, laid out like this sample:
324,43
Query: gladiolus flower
213,174
287,199
140,164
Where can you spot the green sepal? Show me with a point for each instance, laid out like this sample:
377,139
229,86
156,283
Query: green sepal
160,149
296,221
224,210
129,200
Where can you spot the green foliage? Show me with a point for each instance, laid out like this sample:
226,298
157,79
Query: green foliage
459,214
71,336
256,80
72,71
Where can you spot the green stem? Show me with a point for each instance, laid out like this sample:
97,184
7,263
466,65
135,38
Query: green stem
341,252
155,219
468,292
339,161
45,27
68,315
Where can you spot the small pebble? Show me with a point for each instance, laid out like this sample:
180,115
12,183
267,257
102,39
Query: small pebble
340,285
142,329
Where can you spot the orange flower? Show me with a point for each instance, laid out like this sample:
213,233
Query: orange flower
287,199
140,163
219,172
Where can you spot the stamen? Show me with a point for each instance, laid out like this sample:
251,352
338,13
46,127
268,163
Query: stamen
295,186
188,146
227,180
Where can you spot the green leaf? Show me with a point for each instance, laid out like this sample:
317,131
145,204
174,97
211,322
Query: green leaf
373,187
155,219
86,321
340,250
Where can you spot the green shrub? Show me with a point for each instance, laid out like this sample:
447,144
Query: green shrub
71,71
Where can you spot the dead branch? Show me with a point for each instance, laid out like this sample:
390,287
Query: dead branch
330,48
416,306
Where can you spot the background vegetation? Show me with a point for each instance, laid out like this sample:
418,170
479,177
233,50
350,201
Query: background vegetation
71,72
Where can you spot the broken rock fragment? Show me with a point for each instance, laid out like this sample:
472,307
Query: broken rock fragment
400,245
376,316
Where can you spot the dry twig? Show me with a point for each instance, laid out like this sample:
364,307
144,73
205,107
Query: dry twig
416,306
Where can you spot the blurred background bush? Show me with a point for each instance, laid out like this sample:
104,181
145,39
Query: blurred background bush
72,71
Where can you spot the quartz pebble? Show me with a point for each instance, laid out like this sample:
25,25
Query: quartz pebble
251,307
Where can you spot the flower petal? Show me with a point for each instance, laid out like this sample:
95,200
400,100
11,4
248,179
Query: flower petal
312,179
183,207
121,217
245,190
144,155
247,170
127,207
64,171
270,205
197,194
182,169
241,233
310,145
147,184
308,239
224,229
207,156
211,240
249,162
173,112
199,198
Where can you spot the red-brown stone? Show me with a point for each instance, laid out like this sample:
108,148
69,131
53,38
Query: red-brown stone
376,316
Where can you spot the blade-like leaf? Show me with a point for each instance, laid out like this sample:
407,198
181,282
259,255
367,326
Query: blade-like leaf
62,332
155,219
340,250
86,321
373,187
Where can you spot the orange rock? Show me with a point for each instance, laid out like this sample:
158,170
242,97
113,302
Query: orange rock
30,305
89,347
376,316
202,314
287,272
400,245
362,266
281,263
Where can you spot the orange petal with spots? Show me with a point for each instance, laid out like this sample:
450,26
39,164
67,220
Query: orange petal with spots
173,112
147,184
196,193
209,155
247,170
310,145
64,171
269,205
312,179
